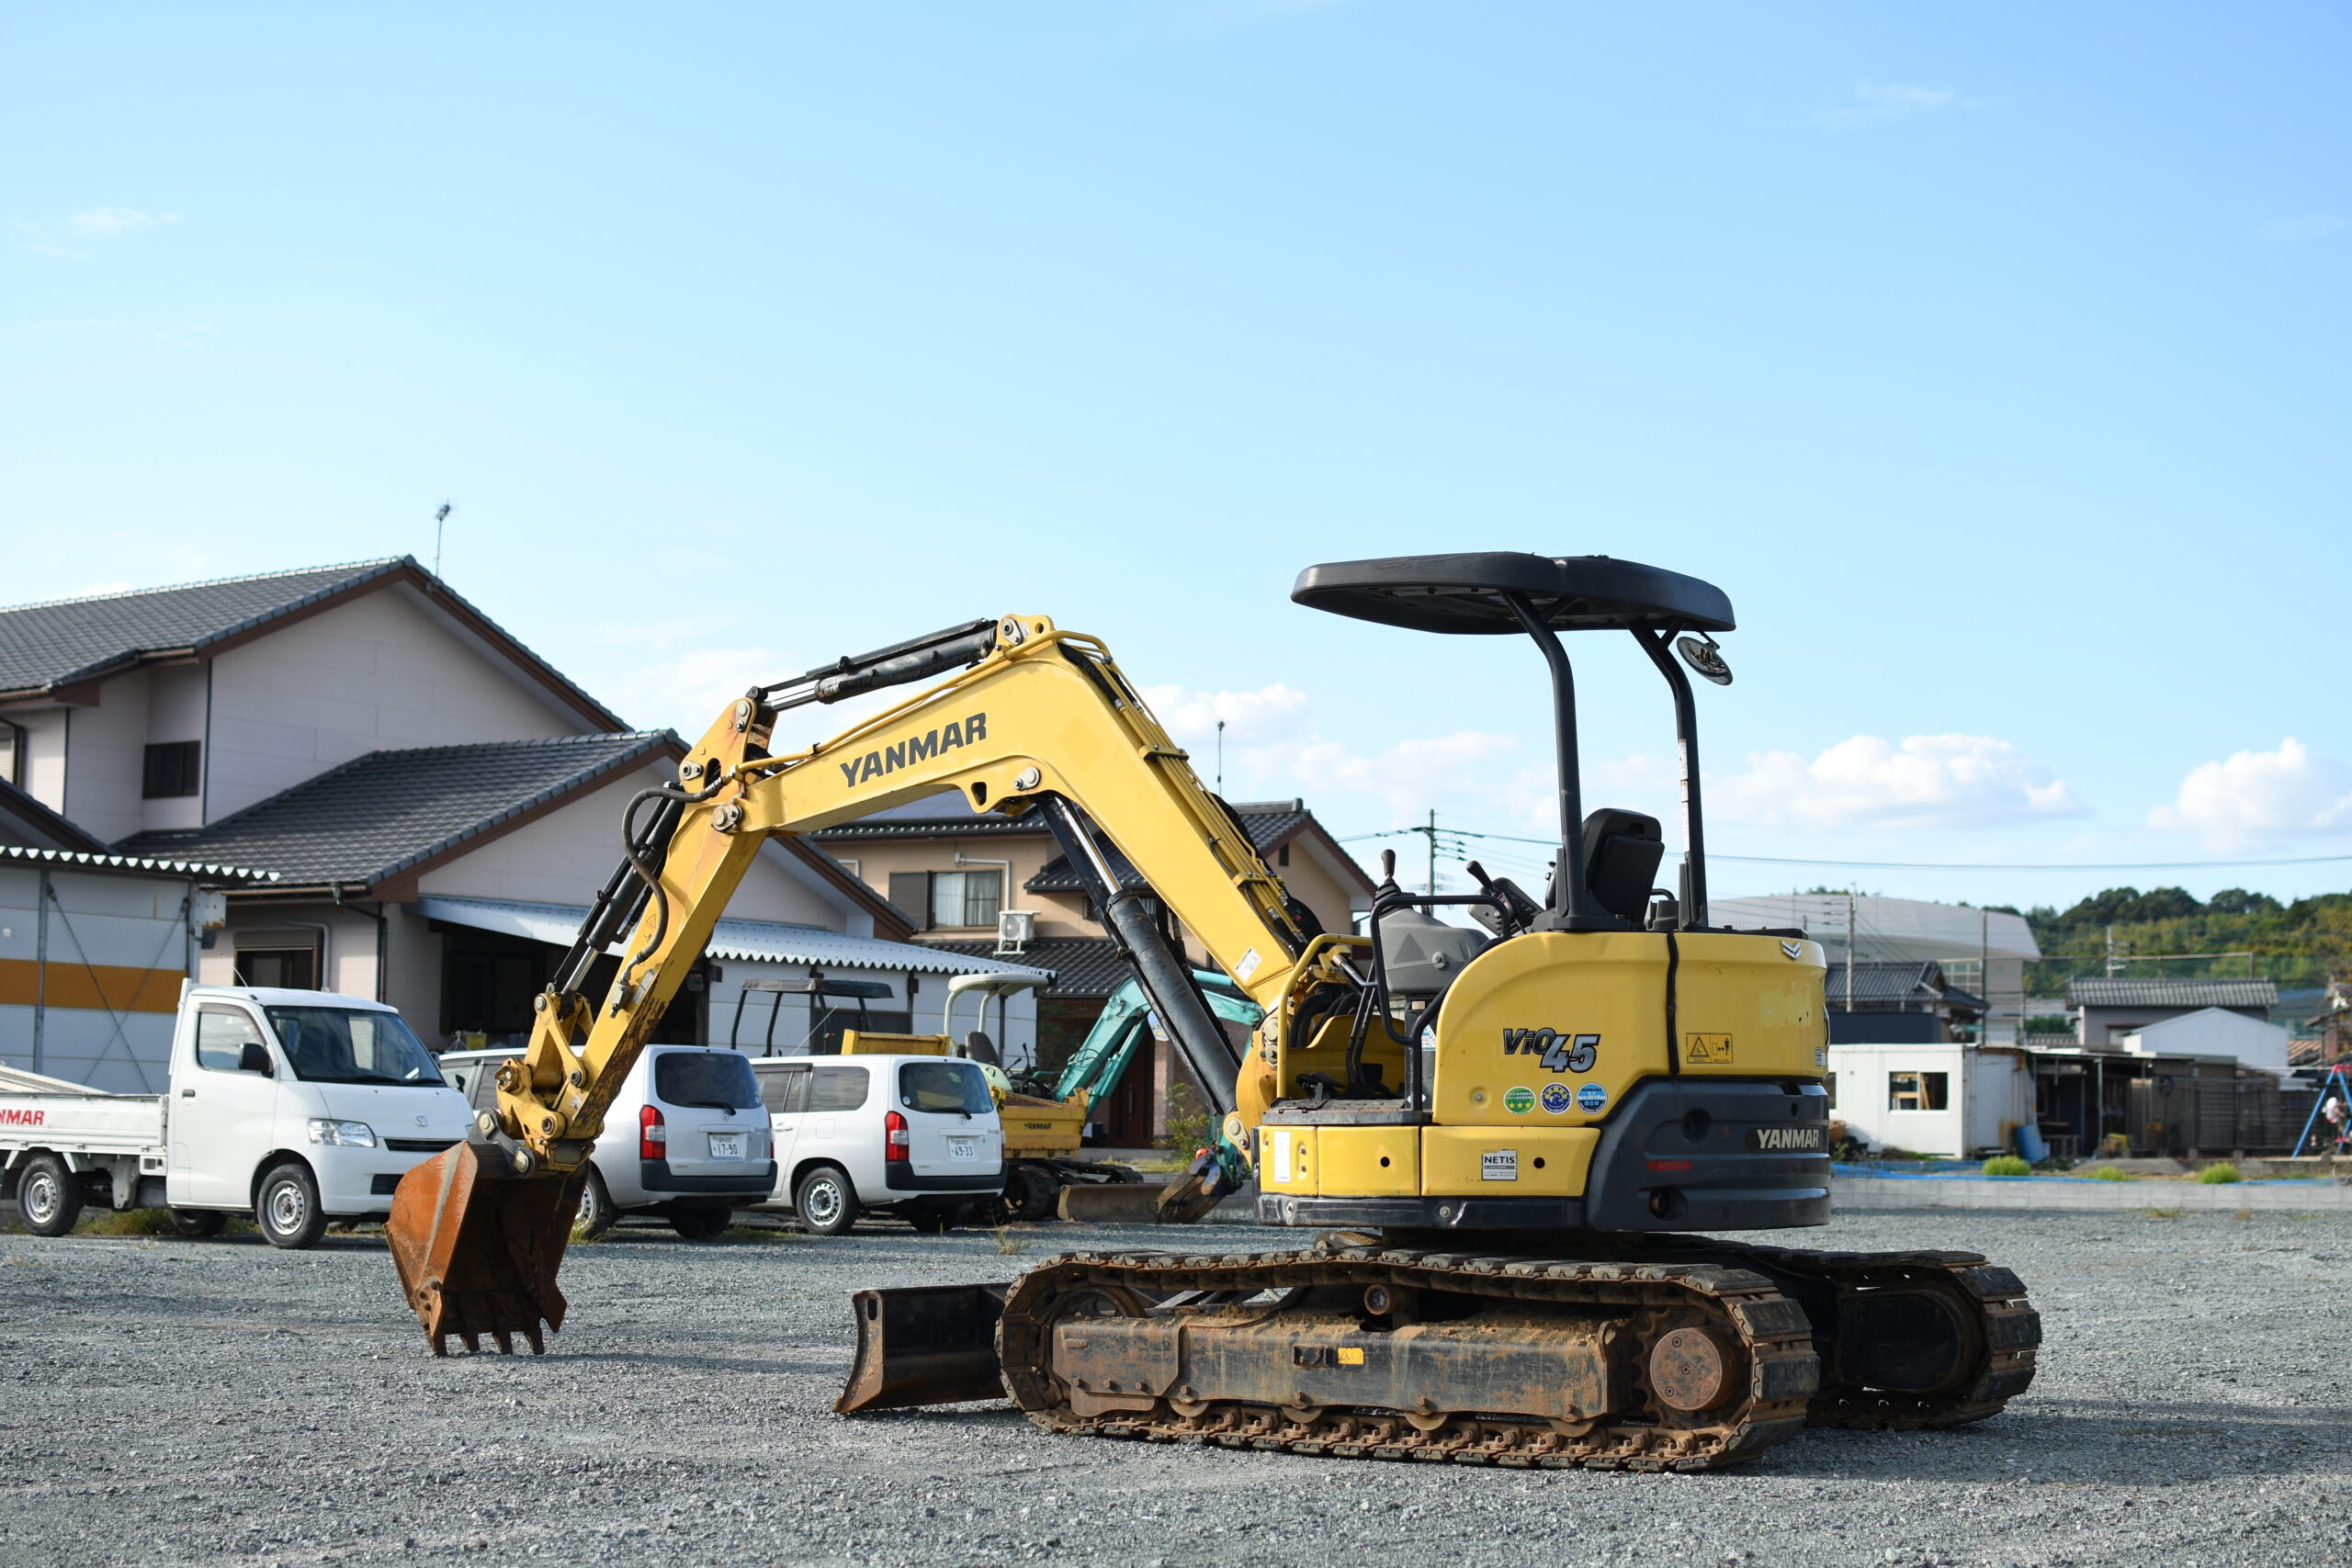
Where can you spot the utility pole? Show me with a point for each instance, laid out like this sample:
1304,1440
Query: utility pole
2111,952
1432,832
1849,953
1220,756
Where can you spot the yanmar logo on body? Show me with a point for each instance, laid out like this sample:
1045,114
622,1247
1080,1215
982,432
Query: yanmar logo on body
1556,1052
18,1117
917,748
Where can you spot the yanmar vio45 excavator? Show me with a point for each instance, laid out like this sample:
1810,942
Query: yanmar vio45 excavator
1512,1135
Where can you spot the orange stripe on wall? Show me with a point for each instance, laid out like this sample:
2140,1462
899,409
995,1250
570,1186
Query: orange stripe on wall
118,987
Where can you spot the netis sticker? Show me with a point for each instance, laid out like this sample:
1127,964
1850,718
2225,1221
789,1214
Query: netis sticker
1519,1101
1591,1098
1499,1165
1281,1154
1557,1099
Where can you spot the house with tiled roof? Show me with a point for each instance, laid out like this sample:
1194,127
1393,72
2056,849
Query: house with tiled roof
953,871
402,800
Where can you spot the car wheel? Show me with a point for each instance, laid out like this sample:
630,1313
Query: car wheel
287,1207
596,1214
700,1223
826,1202
48,1196
198,1223
1031,1193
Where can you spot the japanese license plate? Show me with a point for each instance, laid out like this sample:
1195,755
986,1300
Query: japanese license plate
727,1146
962,1148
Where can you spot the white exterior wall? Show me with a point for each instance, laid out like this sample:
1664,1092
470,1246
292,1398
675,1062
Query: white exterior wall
45,730
2214,1031
564,857
108,755
379,672
111,922
178,708
1989,1094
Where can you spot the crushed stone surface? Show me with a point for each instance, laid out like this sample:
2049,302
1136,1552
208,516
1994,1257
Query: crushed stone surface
218,1401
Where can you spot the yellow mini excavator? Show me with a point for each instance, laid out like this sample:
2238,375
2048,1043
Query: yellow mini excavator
1512,1135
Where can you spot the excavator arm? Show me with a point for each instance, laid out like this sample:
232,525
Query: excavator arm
1041,721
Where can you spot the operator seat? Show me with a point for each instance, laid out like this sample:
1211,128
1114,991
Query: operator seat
978,1047
1622,850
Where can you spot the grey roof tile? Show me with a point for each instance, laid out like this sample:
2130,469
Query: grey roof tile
2120,991
50,645
1266,826
1919,982
1084,966
379,813
22,816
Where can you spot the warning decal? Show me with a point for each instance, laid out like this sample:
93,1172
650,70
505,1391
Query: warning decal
1706,1049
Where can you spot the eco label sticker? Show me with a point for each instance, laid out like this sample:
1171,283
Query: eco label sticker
1518,1102
1591,1098
1557,1099
1499,1165
1706,1049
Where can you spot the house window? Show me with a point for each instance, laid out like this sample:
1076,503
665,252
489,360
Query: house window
12,753
1917,1092
174,770
1281,855
934,899
296,968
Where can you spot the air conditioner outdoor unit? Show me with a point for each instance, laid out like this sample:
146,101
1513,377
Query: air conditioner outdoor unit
1015,929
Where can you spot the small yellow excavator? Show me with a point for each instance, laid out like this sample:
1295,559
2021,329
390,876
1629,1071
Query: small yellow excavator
1512,1135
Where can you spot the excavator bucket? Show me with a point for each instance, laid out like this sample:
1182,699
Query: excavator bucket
925,1344
477,1248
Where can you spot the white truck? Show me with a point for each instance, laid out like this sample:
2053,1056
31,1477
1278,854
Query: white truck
295,1107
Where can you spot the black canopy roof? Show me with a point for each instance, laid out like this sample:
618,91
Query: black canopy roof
1464,593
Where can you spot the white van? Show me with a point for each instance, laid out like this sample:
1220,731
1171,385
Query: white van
914,1135
684,1138
296,1107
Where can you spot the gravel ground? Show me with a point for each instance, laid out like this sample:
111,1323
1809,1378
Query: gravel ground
218,1401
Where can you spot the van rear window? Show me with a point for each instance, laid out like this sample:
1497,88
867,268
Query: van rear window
721,1079
945,1086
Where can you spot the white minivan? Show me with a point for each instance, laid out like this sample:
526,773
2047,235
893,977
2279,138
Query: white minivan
913,1135
683,1139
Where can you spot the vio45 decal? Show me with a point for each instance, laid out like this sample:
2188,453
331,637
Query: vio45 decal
1555,1052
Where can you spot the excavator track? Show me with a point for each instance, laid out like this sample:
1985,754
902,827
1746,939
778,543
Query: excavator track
1980,1306
1664,1365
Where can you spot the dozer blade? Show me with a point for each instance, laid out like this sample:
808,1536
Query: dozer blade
1189,1197
477,1248
1111,1203
925,1344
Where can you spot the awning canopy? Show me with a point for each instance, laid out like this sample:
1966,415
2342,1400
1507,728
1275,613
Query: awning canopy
771,941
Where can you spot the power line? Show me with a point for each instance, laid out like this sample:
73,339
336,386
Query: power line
1908,864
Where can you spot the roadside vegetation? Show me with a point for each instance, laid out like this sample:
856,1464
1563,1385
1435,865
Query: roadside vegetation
2297,945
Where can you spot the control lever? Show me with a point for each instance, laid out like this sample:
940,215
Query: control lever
1518,912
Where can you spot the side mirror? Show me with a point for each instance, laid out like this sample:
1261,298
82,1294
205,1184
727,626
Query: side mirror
254,1058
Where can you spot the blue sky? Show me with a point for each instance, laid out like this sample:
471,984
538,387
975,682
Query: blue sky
1988,360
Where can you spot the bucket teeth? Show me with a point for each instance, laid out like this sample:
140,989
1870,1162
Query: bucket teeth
477,1248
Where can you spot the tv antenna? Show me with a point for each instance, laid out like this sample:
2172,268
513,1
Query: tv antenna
439,519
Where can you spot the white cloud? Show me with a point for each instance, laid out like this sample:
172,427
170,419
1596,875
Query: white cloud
1922,781
1270,713
2250,796
107,221
2292,231
1870,103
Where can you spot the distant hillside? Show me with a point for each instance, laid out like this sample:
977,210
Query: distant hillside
2298,944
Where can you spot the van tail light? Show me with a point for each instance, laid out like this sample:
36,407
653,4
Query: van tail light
895,1143
652,1137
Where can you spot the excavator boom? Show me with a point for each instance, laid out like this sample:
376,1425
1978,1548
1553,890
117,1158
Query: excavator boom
1039,720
